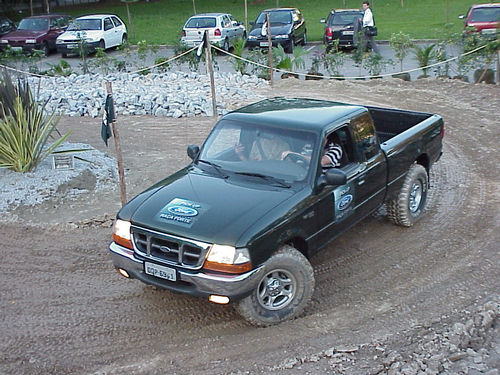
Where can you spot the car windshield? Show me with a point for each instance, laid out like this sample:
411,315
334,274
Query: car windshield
344,18
485,15
201,22
34,24
94,24
279,17
259,151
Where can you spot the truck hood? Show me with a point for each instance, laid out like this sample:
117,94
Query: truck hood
207,208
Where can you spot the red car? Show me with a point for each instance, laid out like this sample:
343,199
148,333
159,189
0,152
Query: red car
484,18
37,32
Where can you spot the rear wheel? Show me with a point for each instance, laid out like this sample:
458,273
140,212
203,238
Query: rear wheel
304,39
226,46
289,47
102,44
407,208
284,290
45,49
124,39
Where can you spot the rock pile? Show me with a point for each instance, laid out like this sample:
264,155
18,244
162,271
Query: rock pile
172,94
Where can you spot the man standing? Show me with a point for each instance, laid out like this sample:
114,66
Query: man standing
368,22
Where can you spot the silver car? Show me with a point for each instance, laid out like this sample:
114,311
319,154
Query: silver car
223,30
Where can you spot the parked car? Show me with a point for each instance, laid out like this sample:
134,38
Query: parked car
288,28
484,18
6,26
223,30
37,32
240,223
342,25
98,30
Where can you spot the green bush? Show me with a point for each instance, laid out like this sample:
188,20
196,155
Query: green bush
25,129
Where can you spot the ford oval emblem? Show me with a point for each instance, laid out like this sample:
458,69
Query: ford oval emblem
182,210
344,202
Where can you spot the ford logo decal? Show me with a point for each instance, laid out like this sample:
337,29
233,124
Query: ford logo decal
182,210
344,202
165,249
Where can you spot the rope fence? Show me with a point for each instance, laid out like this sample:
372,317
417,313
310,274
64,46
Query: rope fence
267,67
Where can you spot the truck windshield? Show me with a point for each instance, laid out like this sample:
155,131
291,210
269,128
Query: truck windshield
256,150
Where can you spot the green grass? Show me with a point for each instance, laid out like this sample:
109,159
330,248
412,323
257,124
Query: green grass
160,21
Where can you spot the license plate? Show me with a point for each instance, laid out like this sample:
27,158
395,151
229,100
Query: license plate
347,32
264,44
71,46
17,48
160,271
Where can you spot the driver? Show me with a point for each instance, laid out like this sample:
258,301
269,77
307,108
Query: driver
332,154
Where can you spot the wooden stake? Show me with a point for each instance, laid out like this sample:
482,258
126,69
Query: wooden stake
210,70
118,151
270,49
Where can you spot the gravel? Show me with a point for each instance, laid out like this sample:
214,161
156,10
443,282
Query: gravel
172,94
93,171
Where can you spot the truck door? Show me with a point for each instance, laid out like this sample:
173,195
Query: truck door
371,177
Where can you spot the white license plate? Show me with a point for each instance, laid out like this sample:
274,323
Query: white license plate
17,48
160,271
347,32
264,44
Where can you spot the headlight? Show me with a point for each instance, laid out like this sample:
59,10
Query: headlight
30,41
4,41
228,259
281,36
121,233
252,37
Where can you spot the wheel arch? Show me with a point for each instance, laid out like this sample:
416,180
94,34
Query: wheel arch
300,244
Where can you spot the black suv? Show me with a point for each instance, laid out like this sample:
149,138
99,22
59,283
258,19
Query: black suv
288,28
342,25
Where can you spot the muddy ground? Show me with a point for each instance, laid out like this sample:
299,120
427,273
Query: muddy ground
64,310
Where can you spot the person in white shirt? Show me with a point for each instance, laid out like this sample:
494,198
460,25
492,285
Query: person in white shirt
368,21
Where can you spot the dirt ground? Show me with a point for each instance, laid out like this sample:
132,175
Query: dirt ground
64,310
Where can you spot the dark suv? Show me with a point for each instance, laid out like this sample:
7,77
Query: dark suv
342,25
288,28
37,32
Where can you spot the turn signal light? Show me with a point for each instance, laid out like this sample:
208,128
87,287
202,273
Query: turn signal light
227,268
221,300
123,272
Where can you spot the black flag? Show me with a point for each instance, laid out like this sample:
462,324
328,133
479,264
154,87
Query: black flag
203,44
107,118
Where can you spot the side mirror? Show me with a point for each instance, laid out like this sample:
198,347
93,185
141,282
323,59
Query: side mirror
322,20
461,17
193,151
333,177
252,23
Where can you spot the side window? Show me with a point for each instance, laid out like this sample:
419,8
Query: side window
365,138
53,22
62,22
226,22
116,21
108,25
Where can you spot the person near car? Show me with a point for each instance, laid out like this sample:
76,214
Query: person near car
367,40
332,156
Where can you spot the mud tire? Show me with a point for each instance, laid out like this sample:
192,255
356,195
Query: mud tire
408,207
287,261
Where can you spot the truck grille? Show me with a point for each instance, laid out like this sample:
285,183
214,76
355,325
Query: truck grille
169,249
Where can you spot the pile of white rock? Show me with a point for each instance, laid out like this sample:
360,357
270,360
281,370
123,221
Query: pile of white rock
172,94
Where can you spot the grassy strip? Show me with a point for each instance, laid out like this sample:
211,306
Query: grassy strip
161,21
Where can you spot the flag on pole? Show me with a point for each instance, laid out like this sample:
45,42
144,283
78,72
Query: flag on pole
107,118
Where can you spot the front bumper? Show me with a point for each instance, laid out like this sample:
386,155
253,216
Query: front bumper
263,43
193,282
73,47
219,42
25,47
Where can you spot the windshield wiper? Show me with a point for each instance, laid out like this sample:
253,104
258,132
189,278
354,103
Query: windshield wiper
265,177
217,167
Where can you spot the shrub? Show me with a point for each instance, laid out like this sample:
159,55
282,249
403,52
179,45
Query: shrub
25,129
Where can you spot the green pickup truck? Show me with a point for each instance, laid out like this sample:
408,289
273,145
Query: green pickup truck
240,223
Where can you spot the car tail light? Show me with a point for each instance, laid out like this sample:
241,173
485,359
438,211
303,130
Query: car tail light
183,32
217,32
329,32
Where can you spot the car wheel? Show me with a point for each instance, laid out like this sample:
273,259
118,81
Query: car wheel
45,49
289,47
286,287
64,55
102,44
304,39
124,39
226,45
407,208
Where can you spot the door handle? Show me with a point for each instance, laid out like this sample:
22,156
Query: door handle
361,179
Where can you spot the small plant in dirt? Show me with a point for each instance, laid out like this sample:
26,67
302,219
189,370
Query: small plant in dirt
358,56
289,63
334,59
102,61
162,64
60,69
425,55
25,128
317,59
258,56
190,58
375,64
238,49
401,44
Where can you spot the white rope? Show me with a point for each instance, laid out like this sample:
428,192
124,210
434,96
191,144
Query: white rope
136,71
341,77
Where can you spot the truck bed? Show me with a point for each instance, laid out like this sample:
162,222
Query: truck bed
391,122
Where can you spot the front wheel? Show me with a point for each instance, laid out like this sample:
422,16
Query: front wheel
284,290
407,208
304,39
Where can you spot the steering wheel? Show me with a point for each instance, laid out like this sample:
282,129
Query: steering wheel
297,159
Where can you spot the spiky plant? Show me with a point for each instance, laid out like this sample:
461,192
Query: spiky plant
25,128
425,55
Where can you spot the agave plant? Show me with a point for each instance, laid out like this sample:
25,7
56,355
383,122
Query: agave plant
425,55
25,129
290,63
